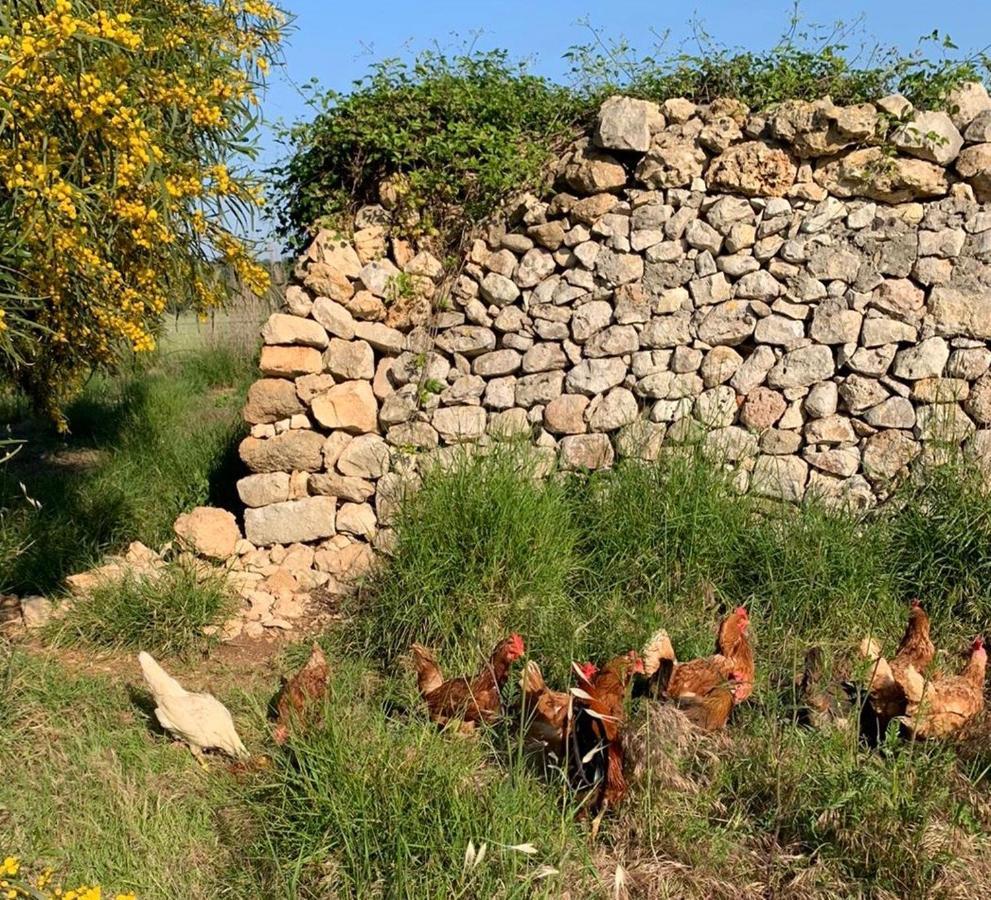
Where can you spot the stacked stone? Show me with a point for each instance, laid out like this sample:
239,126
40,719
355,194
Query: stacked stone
780,287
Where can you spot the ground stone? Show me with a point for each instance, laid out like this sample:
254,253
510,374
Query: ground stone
209,532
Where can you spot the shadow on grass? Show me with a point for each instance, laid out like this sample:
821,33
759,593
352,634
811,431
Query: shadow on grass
141,449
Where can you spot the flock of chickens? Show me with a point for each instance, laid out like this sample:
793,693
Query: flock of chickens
580,731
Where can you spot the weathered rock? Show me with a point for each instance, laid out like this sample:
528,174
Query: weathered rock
544,357
586,451
860,393
830,430
283,329
762,408
841,461
334,317
381,337
924,360
834,323
294,521
719,366
974,164
271,400
819,128
498,289
887,453
931,136
595,376
356,518
264,489
379,278
780,331
616,340
959,313
299,451
627,124
468,340
754,170
877,332
869,173
590,318
671,162
455,424
895,412
496,363
208,532
730,444
710,290
612,411
326,281
616,269
978,403
667,331
288,362
716,407
354,490
753,371
966,101
821,400
366,456
802,367
591,172
350,360
943,423
565,414
541,387
350,407
780,477
728,323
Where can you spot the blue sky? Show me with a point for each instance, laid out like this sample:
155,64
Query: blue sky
335,42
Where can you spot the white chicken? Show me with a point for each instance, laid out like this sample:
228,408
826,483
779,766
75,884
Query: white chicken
200,720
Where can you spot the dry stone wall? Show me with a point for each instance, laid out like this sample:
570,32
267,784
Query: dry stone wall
806,292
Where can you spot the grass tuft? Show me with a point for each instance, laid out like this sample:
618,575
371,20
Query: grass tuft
165,613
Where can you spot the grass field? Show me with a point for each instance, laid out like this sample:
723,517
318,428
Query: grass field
376,803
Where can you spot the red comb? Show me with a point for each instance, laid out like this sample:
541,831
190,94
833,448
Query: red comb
742,611
588,670
915,603
978,643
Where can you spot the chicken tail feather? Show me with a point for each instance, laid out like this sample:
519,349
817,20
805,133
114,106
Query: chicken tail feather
532,679
656,651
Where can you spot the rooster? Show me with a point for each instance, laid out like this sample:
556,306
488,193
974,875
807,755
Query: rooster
938,707
595,749
469,701
200,720
546,713
698,677
301,694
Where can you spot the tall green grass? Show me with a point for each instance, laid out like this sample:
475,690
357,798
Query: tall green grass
374,804
164,613
586,567
142,448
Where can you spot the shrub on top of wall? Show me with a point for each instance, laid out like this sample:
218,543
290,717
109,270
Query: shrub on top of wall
463,132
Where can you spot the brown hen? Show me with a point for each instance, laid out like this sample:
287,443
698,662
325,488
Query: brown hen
546,713
467,700
300,699
939,706
699,677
